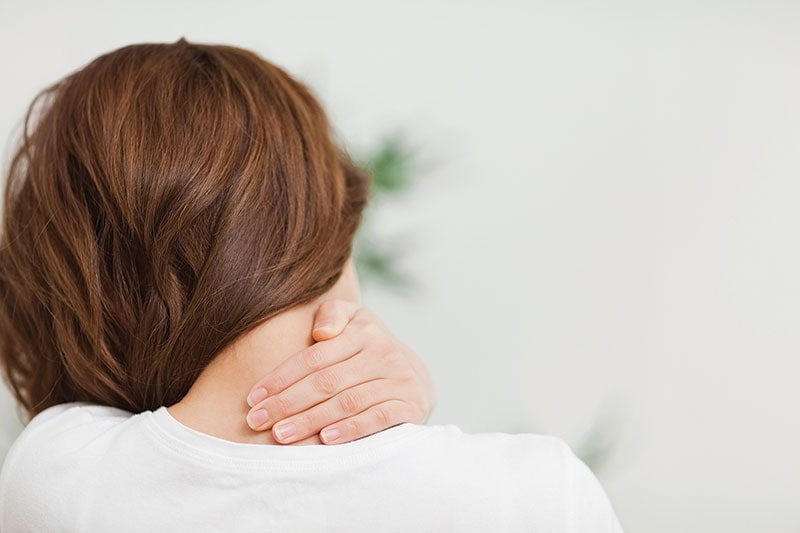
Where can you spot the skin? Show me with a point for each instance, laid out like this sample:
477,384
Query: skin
331,373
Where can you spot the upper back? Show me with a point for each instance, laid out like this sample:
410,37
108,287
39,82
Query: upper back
80,467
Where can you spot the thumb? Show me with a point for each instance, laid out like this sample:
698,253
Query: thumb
331,318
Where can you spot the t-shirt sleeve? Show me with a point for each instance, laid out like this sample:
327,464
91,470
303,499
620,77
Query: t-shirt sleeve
22,480
587,506
35,494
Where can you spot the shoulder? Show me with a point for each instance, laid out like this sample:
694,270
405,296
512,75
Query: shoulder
531,468
41,461
68,415
61,429
541,452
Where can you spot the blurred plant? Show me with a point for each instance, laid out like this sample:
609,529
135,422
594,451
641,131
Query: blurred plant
395,166
603,436
599,441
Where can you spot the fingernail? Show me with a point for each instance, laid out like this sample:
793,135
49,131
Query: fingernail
257,418
285,430
256,396
330,435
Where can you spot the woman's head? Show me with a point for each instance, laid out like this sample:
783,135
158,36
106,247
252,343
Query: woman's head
165,199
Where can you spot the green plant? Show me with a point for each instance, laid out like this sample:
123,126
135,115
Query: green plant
395,166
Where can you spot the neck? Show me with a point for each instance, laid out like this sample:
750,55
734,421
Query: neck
216,404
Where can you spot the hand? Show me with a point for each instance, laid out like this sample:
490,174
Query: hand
355,381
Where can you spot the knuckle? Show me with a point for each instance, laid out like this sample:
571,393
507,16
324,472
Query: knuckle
353,428
349,402
407,374
305,423
326,382
281,406
383,417
275,383
365,318
393,358
373,330
360,324
313,357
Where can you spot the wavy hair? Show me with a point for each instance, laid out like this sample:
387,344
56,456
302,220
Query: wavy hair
164,200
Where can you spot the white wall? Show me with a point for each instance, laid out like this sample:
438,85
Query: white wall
613,229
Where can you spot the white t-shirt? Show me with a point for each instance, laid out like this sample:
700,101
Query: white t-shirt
81,467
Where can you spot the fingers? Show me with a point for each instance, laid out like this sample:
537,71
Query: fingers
355,413
332,317
302,364
375,419
359,382
314,389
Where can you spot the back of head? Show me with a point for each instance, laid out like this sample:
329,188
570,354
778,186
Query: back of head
165,199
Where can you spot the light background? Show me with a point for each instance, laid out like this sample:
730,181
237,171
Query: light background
611,234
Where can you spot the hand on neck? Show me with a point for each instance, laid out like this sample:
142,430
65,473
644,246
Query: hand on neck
216,404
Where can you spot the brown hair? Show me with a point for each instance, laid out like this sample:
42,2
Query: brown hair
168,198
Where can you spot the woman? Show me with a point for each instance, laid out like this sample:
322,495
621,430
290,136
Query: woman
171,227
110,278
